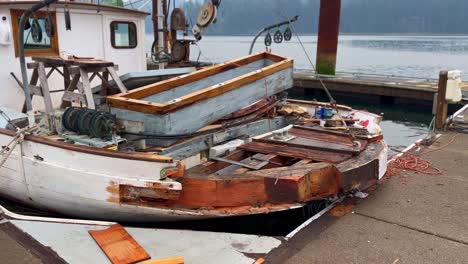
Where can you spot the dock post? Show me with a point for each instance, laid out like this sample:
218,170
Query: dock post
442,105
329,29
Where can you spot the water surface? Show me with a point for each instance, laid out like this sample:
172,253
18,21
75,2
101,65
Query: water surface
418,56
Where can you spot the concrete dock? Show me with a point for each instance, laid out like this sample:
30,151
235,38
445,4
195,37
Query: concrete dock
408,218
418,90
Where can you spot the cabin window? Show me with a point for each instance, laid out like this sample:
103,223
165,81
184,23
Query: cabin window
123,35
41,46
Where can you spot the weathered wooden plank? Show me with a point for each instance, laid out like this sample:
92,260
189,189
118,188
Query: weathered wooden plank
202,192
296,152
174,260
35,90
300,184
33,81
73,97
151,89
117,80
180,91
45,89
305,142
87,89
118,245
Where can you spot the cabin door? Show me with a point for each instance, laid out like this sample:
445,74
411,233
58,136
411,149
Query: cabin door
125,43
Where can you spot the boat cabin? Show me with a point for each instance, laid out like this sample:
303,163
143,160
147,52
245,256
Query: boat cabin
107,32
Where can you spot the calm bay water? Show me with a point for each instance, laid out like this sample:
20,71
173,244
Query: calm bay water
418,56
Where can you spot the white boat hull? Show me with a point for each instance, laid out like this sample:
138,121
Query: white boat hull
78,184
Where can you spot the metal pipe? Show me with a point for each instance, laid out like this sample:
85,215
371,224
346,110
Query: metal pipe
24,74
294,19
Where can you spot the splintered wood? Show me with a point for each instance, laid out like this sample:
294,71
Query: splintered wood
118,245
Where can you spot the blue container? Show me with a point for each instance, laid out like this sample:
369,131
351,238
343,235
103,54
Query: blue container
319,112
327,112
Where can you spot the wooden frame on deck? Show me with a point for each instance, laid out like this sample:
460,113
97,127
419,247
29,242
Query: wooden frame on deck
132,100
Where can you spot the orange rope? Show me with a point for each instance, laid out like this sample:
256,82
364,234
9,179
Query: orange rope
411,163
414,163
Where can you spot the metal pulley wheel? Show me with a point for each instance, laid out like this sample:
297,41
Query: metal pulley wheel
268,39
36,31
206,15
178,19
70,119
49,26
178,52
102,125
278,37
84,121
287,34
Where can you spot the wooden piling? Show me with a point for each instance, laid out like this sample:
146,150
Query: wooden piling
329,28
442,105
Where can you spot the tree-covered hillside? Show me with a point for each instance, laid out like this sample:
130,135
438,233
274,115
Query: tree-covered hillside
245,17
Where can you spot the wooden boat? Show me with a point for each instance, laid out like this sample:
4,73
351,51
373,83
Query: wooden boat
217,142
255,160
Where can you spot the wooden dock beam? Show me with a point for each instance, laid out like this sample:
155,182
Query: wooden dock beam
329,29
442,105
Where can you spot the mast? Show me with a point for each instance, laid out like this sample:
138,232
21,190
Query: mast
158,25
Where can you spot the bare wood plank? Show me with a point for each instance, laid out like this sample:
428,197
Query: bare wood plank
296,152
87,89
135,105
50,72
174,260
45,89
70,88
104,86
93,76
117,80
118,245
34,79
73,97
300,184
35,90
75,69
151,89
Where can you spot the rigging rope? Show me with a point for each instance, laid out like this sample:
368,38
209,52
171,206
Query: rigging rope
6,151
329,95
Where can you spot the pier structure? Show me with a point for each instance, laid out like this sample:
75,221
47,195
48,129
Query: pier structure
393,88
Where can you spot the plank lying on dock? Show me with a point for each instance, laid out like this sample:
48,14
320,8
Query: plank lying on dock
118,245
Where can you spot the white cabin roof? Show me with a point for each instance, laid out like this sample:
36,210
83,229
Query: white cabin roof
23,4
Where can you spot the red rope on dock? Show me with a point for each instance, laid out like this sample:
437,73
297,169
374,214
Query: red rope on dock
411,163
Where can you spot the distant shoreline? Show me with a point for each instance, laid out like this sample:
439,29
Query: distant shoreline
355,34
